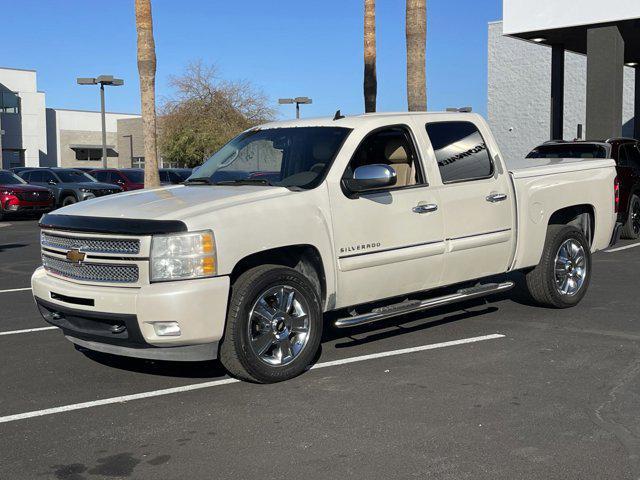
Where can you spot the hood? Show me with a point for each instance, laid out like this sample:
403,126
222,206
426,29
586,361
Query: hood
179,202
23,188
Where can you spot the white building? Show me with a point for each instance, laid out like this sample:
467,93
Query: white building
38,136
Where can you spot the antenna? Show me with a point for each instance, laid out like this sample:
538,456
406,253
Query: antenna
338,116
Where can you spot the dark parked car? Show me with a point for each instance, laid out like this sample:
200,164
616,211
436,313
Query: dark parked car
16,196
128,179
69,185
626,153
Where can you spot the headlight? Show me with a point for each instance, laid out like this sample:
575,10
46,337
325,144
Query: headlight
183,256
86,190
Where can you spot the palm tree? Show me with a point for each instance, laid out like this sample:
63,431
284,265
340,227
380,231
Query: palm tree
370,80
147,73
416,25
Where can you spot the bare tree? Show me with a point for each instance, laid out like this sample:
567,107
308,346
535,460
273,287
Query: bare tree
147,73
206,112
416,30
370,78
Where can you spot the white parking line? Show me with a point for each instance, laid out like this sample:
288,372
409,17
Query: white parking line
15,290
626,247
226,381
27,330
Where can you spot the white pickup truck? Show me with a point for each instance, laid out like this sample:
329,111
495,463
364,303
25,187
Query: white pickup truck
361,215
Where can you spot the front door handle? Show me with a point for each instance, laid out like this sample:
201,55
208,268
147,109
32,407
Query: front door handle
496,197
425,208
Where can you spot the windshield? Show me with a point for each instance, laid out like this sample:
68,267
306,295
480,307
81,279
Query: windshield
74,176
8,178
134,176
286,157
570,150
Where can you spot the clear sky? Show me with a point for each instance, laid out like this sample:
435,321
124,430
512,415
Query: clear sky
284,47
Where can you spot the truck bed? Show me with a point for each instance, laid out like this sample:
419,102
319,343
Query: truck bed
535,167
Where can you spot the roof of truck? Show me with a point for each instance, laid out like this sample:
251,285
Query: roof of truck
353,121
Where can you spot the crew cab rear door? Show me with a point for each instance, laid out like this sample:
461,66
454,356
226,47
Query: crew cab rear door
476,195
388,241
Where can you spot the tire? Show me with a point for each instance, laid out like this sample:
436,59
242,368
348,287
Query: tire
545,285
68,200
248,333
631,229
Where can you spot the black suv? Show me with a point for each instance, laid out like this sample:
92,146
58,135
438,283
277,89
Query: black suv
68,185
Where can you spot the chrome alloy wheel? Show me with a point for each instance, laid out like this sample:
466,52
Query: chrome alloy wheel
279,325
571,268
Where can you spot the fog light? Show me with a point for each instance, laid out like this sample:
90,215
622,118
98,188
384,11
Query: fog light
167,329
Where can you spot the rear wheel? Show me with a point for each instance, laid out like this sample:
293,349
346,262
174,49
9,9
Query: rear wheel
69,200
274,325
562,277
631,228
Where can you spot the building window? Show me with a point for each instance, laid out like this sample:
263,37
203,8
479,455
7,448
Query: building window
137,162
9,102
86,154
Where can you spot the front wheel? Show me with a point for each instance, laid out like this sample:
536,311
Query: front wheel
69,200
274,325
562,277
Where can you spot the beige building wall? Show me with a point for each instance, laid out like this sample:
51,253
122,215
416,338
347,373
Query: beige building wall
130,142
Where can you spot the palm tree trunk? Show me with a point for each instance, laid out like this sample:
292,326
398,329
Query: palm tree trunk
147,73
416,25
370,79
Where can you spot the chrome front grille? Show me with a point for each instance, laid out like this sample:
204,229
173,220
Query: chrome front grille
91,272
91,245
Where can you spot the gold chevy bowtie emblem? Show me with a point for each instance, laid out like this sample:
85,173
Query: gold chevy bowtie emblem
75,256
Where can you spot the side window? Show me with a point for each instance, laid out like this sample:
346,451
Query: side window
623,156
25,176
460,150
36,177
390,146
101,176
47,176
634,156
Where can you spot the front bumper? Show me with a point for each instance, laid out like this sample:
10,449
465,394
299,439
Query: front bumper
121,320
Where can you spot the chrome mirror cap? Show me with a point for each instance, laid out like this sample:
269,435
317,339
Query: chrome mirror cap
369,177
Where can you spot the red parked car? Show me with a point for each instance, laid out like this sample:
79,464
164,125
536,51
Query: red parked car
128,179
17,196
626,153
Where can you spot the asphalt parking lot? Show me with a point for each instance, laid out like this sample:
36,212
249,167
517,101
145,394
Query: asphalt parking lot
498,389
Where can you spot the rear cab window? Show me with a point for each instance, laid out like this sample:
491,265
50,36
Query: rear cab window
460,150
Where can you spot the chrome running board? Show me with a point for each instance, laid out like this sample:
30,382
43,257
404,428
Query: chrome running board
382,313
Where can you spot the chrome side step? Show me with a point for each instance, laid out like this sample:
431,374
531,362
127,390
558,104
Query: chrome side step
403,308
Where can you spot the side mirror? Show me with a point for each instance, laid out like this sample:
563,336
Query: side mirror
369,177
52,182
120,181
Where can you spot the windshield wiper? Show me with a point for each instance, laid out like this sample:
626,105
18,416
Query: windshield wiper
205,180
245,181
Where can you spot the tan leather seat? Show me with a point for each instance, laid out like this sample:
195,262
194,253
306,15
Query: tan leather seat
398,158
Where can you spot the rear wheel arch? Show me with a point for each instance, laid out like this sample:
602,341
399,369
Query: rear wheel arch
580,216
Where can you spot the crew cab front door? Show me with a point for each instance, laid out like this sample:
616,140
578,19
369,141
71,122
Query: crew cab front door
477,201
389,241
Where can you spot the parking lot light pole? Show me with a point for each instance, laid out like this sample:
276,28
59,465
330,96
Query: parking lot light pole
298,101
102,80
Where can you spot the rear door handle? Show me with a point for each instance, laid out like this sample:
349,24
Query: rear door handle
426,208
496,197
